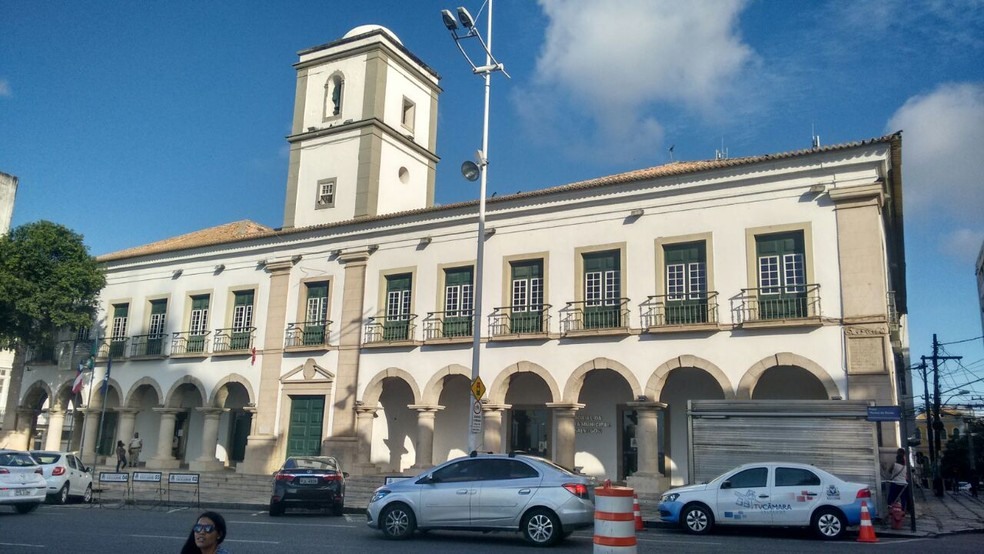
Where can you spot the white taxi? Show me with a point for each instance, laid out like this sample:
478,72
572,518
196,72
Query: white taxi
771,493
22,483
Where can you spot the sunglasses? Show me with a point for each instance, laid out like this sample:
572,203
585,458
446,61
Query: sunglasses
203,528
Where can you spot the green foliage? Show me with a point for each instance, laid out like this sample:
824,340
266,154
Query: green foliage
48,281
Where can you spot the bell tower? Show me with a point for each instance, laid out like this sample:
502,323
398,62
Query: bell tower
364,130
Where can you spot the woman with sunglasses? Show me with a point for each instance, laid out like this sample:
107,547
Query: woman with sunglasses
207,535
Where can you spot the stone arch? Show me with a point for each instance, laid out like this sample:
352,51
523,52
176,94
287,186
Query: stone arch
435,386
214,399
654,387
751,377
143,381
572,389
500,385
189,380
62,396
36,395
374,388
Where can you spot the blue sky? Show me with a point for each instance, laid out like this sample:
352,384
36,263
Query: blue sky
133,122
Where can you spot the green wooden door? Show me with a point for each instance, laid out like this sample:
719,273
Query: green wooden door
158,316
602,290
397,325
316,315
117,344
686,283
782,276
459,302
306,421
199,323
242,321
527,297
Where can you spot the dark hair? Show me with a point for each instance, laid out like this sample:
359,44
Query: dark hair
220,527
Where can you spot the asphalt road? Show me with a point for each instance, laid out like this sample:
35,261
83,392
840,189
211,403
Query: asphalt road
82,529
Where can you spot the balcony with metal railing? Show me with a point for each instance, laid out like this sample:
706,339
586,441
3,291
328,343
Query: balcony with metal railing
189,344
114,348
679,312
390,331
519,322
589,318
148,347
797,305
73,352
233,340
448,327
307,335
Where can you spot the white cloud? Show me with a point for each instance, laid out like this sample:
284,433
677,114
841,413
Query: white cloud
942,161
962,245
611,64
5,91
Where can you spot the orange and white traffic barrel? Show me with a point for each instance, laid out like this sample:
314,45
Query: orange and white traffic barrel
614,524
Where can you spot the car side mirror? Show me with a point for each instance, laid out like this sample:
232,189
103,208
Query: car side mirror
426,479
345,474
726,485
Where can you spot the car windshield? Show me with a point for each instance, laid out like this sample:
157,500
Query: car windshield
16,459
311,463
45,458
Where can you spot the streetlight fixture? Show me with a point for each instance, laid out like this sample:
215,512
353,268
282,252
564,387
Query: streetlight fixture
474,171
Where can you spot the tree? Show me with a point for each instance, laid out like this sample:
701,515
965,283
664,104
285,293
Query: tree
48,282
957,459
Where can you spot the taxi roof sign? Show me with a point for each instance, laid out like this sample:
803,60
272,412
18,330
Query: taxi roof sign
478,388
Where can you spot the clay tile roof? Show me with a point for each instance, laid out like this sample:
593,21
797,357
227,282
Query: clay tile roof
230,232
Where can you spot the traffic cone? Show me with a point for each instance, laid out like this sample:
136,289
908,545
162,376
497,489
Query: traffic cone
867,532
638,515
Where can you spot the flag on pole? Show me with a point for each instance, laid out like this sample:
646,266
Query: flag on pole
77,385
252,360
109,368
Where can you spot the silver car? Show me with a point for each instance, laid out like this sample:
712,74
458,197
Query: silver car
66,475
487,492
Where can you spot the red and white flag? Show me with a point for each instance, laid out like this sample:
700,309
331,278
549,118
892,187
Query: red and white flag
252,360
77,385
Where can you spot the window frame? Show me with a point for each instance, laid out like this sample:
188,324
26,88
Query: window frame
331,182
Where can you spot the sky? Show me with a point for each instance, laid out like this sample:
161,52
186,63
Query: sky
131,122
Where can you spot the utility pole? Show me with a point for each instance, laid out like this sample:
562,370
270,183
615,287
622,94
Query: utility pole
937,421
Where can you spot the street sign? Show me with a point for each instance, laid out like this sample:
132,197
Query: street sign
884,413
478,388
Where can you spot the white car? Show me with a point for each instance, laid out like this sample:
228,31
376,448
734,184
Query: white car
771,493
65,474
21,482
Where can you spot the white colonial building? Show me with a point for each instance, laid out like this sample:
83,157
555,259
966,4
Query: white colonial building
608,304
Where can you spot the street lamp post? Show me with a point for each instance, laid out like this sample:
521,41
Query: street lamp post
472,171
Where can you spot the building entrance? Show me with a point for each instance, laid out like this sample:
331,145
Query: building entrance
530,431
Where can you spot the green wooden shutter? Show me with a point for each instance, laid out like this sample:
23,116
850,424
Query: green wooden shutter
527,297
199,323
242,320
459,301
781,275
397,324
686,283
158,318
316,314
602,290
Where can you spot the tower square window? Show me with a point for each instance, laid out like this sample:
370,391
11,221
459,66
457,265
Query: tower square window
326,194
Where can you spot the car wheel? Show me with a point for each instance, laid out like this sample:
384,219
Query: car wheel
276,509
87,496
541,528
697,519
397,522
62,496
829,524
27,508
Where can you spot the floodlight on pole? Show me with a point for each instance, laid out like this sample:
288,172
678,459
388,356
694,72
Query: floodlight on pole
477,170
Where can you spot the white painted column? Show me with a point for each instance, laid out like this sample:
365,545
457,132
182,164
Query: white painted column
56,421
425,435
210,441
162,458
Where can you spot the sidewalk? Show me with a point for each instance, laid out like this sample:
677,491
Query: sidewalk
952,513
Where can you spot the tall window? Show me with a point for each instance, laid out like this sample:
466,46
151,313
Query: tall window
242,320
121,316
602,290
198,327
158,318
781,275
527,297
316,313
459,302
686,283
398,291
407,114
